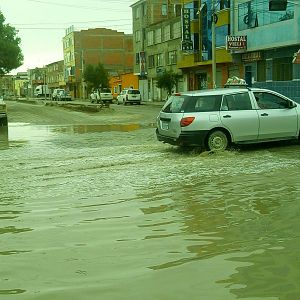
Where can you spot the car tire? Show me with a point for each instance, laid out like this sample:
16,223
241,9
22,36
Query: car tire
217,140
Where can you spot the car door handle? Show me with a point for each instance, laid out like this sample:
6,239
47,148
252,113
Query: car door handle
227,116
264,115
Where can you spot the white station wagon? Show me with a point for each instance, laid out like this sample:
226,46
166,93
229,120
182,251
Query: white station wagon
213,119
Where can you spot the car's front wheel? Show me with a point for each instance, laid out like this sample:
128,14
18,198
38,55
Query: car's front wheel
217,141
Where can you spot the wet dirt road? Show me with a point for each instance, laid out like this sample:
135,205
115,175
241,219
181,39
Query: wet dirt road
93,207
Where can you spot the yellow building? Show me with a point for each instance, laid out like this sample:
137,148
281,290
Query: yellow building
197,61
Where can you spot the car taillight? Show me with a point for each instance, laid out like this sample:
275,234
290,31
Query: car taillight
186,121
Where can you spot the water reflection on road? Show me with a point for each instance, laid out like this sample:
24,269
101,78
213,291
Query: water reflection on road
113,214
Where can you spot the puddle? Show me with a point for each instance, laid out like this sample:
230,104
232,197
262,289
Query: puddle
96,128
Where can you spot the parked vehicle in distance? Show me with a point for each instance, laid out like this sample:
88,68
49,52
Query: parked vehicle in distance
104,95
64,96
129,96
214,119
3,113
55,93
42,90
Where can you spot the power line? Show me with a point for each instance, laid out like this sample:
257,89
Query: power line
78,6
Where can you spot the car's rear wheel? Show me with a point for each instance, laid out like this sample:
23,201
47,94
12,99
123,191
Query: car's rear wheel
217,141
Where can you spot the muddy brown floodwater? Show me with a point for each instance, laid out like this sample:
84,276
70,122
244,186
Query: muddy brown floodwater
92,206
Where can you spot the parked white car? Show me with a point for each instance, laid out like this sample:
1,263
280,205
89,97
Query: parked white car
104,95
213,119
129,96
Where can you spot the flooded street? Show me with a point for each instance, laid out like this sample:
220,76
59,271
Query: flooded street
99,209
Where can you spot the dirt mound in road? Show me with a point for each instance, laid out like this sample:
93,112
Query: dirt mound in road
78,107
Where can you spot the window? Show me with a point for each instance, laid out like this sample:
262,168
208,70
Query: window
150,36
133,92
172,57
160,60
282,69
164,9
137,12
157,35
270,101
137,35
177,10
167,33
223,4
176,30
202,103
221,32
256,13
239,101
174,104
151,63
144,9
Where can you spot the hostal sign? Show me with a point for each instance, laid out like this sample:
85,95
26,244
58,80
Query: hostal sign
186,44
236,42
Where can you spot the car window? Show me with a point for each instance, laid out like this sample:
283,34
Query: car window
106,91
270,101
203,103
174,104
134,92
240,101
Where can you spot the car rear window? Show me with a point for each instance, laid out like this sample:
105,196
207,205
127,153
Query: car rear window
185,103
174,104
134,92
106,91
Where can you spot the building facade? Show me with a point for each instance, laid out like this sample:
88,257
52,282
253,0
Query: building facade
113,49
273,38
177,36
197,63
7,86
157,35
55,75
123,81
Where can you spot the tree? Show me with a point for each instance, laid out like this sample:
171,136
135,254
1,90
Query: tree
96,76
11,56
168,80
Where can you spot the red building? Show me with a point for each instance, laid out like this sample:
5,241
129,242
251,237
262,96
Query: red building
113,49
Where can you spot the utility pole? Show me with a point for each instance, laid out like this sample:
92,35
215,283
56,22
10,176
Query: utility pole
82,70
213,44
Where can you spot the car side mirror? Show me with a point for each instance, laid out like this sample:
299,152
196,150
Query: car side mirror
292,104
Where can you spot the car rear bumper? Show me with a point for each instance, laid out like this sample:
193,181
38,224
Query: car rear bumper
188,138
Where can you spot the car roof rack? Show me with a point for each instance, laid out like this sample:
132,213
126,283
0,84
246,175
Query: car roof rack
236,82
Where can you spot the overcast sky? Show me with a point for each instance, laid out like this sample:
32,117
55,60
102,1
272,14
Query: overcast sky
42,24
